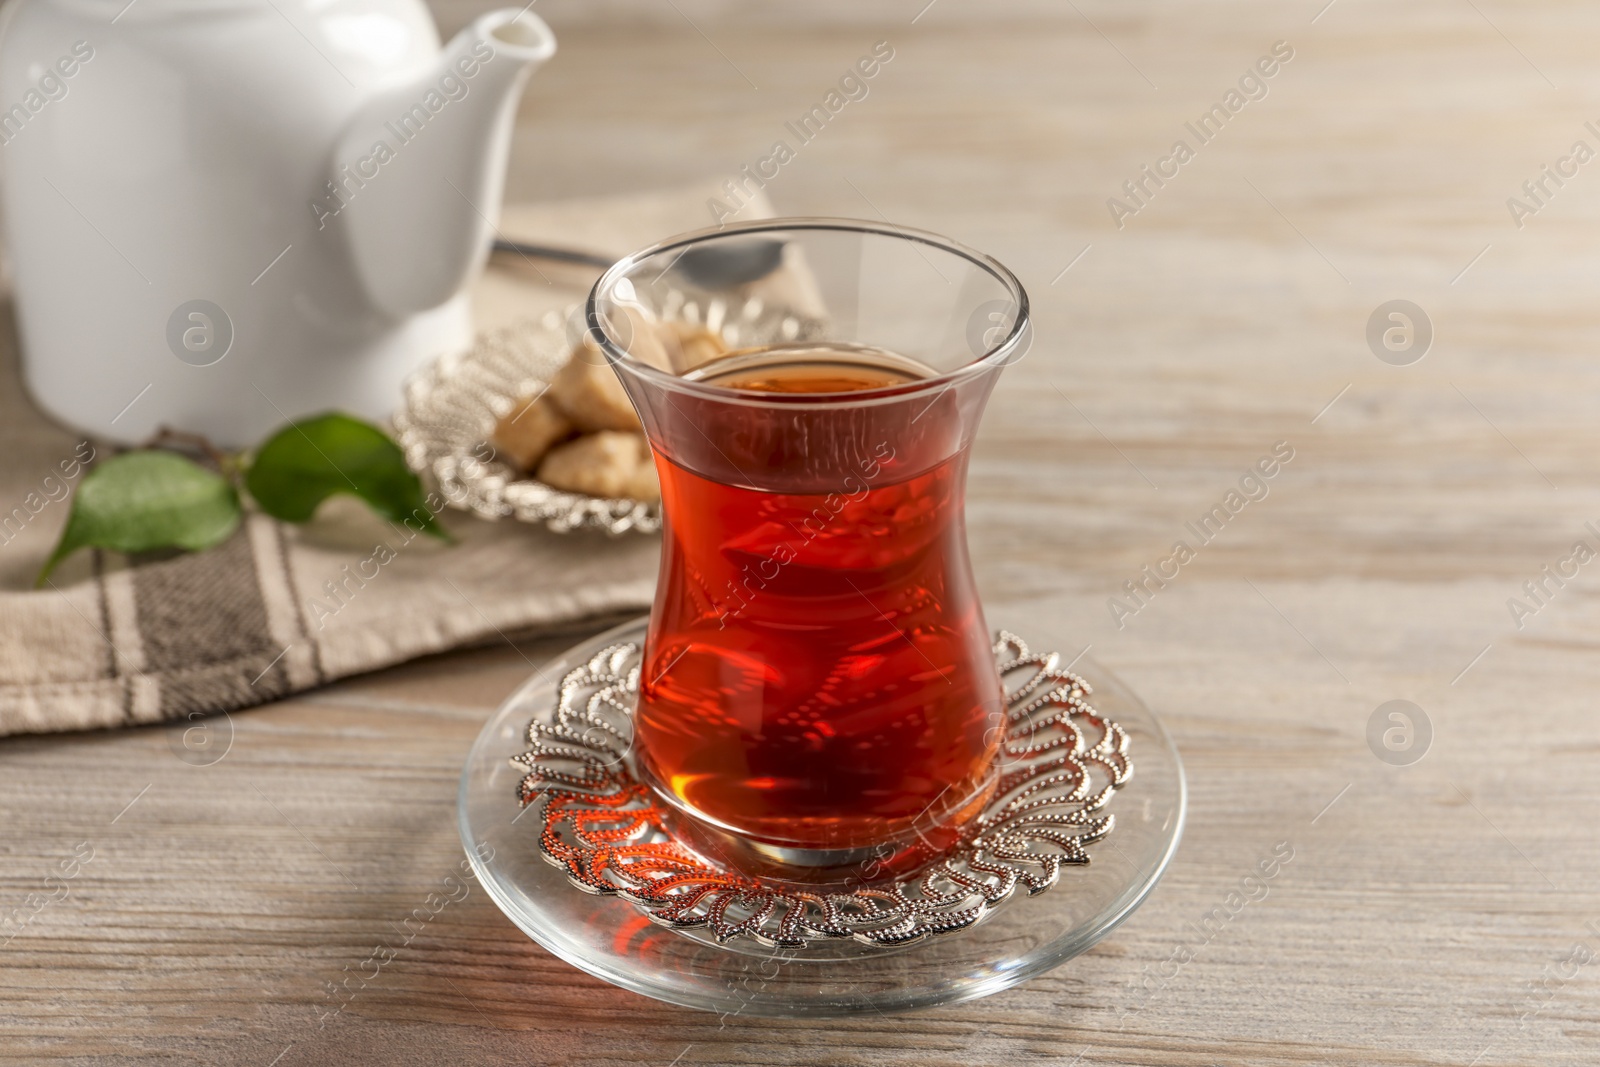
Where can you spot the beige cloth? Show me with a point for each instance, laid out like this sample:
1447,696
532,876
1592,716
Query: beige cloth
256,618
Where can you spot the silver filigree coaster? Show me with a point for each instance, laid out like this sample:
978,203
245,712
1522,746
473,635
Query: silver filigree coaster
1061,761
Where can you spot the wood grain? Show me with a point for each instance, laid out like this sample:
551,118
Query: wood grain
1431,913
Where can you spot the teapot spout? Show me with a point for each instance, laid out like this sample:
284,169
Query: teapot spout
418,173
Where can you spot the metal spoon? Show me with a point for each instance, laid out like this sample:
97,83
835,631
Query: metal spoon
715,266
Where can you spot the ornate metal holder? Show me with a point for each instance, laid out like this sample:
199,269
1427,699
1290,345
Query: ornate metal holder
549,803
1061,763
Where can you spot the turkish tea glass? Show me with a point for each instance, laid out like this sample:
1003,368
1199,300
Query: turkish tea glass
818,686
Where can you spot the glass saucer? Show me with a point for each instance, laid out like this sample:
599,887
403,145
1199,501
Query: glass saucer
612,938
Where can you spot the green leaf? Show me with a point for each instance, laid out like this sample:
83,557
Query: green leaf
140,501
308,461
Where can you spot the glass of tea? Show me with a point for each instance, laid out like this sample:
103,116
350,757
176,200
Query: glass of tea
818,687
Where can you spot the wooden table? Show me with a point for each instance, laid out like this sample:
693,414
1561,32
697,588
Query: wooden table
1446,912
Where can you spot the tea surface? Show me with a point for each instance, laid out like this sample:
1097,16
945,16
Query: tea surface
819,370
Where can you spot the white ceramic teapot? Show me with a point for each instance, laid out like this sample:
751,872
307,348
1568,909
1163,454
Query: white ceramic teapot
226,213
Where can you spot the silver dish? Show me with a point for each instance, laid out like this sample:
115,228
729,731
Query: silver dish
451,407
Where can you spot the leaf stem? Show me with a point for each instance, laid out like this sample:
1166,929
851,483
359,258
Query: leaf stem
195,445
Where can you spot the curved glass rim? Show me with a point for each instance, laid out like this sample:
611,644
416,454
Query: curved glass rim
997,355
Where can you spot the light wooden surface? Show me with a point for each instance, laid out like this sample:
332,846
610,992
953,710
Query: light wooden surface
1442,913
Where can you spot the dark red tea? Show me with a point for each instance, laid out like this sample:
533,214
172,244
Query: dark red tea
819,672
